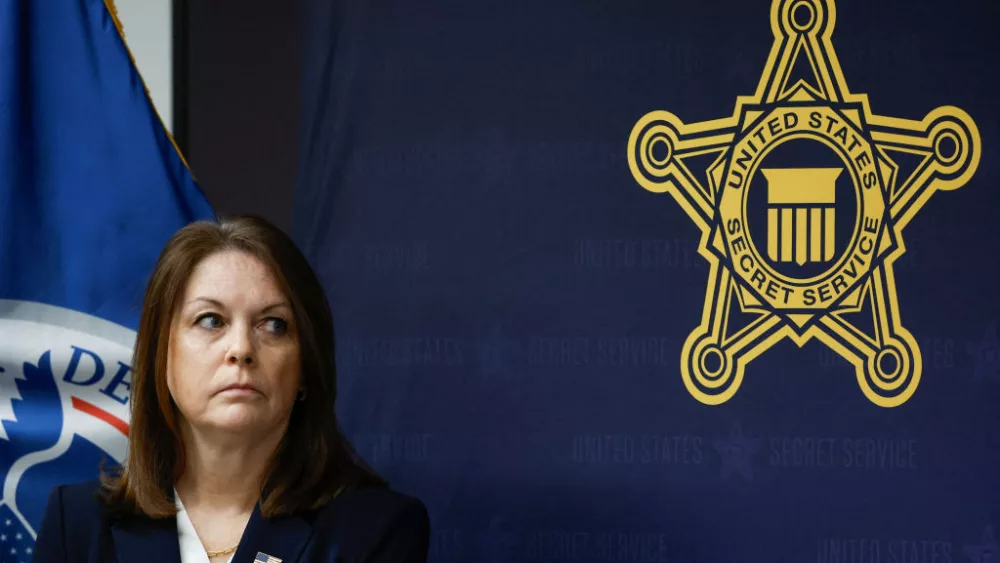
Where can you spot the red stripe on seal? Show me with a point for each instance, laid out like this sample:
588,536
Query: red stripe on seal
99,413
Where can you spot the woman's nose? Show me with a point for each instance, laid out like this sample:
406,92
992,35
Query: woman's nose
241,349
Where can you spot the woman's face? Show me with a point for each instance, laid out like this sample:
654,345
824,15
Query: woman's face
233,358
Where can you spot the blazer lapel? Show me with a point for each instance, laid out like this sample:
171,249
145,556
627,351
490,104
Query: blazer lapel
146,541
282,537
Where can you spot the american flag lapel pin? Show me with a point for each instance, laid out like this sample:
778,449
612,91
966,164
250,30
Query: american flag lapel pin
265,558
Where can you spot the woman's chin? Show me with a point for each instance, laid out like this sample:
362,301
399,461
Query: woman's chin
238,418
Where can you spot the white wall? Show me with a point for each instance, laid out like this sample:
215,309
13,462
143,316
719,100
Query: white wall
149,33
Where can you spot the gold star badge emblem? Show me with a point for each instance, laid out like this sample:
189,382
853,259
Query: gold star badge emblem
801,209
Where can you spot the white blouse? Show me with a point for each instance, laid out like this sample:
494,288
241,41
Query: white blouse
192,551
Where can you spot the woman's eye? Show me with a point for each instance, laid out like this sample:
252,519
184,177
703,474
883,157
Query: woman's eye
209,321
276,325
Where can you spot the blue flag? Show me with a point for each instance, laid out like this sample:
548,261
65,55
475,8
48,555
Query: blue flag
91,187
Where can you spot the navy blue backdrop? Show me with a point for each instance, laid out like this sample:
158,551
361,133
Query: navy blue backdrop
522,328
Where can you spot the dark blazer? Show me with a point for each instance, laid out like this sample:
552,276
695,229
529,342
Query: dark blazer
362,526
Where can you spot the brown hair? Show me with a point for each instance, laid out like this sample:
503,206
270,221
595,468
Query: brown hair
313,461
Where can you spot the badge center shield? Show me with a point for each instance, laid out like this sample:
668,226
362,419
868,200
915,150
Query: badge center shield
802,209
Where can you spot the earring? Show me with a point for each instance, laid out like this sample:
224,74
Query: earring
302,394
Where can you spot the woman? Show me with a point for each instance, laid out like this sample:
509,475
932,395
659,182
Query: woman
234,451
